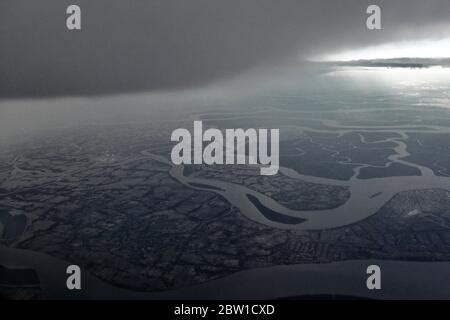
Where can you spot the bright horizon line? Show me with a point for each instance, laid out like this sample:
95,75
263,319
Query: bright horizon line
437,49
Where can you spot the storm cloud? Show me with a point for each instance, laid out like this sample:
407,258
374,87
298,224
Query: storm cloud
135,45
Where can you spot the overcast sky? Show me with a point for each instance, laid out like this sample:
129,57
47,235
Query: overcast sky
137,45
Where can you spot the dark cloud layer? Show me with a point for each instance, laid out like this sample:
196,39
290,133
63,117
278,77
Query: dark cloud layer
168,44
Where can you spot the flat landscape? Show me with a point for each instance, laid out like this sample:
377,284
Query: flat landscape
365,175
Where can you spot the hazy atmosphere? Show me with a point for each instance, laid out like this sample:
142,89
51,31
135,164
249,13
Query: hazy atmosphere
118,179
167,44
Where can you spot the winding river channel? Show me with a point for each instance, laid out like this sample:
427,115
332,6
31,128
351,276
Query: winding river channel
401,279
367,196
